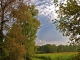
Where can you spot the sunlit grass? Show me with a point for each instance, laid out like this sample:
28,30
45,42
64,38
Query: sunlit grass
54,56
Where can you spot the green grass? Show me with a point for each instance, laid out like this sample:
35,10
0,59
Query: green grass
54,56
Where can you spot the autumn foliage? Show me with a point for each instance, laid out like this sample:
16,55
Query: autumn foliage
19,21
13,45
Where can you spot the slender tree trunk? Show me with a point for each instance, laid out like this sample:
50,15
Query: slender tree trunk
1,28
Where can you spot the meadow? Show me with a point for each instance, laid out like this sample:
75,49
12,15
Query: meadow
54,56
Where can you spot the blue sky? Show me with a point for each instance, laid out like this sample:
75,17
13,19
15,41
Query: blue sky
48,34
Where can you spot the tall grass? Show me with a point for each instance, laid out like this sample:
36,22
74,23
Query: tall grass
54,56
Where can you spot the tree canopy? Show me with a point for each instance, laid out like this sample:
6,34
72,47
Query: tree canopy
6,17
69,19
30,28
48,48
18,19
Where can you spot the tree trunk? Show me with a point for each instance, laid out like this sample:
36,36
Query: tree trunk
1,28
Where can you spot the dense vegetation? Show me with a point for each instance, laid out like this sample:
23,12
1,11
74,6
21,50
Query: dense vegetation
18,19
68,22
48,48
19,24
55,56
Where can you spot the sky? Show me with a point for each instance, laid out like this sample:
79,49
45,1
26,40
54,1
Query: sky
48,34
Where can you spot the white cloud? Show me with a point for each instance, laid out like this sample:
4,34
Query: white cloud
40,42
46,8
43,42
47,11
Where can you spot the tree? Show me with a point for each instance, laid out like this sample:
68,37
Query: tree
27,17
15,15
14,49
54,48
60,48
69,19
6,17
30,27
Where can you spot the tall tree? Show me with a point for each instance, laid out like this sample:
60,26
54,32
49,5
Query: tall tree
20,22
27,17
69,19
14,49
6,17
30,28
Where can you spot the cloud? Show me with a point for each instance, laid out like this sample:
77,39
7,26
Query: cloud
40,42
46,8
43,42
47,33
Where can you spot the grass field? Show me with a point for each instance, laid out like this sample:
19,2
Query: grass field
54,56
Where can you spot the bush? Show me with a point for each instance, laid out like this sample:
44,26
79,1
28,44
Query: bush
76,57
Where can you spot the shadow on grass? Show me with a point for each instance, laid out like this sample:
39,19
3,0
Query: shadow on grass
44,57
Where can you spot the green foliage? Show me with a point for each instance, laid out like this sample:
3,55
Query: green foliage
21,24
69,21
75,57
60,48
6,18
69,17
13,47
55,56
29,28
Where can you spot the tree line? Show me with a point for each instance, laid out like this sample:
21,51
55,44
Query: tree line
48,48
19,24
